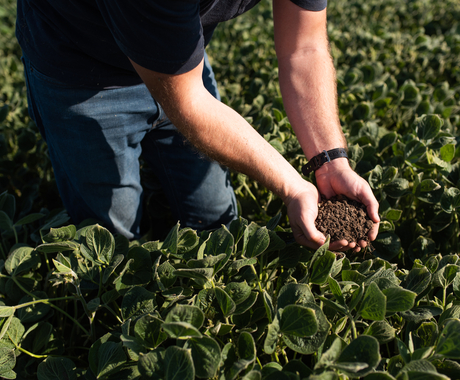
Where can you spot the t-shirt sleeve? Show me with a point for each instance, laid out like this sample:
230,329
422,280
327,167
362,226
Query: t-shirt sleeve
311,5
164,35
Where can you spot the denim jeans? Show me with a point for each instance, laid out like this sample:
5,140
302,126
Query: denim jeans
95,139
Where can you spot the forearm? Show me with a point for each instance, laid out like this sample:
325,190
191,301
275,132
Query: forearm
308,86
307,77
225,136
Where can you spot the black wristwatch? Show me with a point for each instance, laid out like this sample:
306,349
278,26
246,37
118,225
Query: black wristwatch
325,156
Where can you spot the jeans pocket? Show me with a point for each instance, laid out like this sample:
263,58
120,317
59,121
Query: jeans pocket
161,119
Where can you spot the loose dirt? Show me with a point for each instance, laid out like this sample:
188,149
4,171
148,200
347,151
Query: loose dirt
343,218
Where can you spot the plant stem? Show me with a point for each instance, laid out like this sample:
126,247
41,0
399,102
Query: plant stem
29,353
47,301
258,279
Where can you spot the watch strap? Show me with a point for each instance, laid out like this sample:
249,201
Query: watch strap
319,160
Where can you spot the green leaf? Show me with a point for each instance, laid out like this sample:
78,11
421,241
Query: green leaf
246,347
336,290
350,275
56,368
428,126
110,356
238,291
220,241
387,140
29,219
356,297
448,340
364,349
166,274
447,152
207,262
137,302
420,248
61,247
309,345
272,336
7,363
450,199
252,375
138,269
268,304
418,280
246,304
6,311
178,364
22,259
375,177
298,321
292,293
414,151
187,240
428,185
186,313
42,336
33,313
60,234
206,356
379,376
322,267
258,243
5,222
381,330
373,304
149,329
108,271
238,264
399,299
397,188
393,215
6,325
16,331
456,285
172,239
418,314
100,241
196,273
387,245
181,330
151,365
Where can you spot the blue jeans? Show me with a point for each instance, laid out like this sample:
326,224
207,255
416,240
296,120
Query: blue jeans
95,139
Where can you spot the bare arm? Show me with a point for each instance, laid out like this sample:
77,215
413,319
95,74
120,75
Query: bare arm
307,77
220,132
308,86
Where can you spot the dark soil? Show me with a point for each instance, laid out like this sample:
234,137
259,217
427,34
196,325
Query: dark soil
343,218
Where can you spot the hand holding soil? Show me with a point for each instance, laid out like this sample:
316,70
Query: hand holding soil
343,218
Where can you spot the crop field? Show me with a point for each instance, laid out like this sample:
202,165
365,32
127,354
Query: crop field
245,302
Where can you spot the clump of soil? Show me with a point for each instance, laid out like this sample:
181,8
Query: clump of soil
343,218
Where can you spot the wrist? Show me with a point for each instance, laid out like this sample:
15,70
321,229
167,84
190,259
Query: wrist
323,158
339,164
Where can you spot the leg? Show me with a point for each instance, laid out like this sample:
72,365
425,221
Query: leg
94,139
198,190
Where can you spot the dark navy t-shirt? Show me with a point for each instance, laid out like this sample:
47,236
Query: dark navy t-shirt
87,42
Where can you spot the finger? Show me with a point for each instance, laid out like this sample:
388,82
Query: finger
373,232
372,206
339,245
309,237
362,244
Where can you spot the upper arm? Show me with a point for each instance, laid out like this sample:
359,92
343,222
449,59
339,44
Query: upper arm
298,29
173,91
